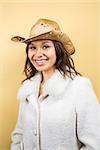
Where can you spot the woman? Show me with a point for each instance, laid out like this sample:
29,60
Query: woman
58,107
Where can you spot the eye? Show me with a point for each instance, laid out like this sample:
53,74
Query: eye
31,47
46,46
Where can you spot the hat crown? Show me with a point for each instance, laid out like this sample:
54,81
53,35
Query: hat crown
50,30
43,26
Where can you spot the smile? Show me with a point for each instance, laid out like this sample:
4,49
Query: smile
41,62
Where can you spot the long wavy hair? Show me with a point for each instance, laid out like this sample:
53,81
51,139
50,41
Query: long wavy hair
64,62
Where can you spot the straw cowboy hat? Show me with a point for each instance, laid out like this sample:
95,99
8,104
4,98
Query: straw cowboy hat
47,29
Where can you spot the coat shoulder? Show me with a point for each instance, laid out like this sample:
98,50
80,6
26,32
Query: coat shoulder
84,90
23,89
82,81
28,87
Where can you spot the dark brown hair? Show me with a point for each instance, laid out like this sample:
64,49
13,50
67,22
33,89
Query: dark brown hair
64,62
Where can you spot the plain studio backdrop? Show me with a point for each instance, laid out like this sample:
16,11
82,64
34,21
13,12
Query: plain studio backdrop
79,19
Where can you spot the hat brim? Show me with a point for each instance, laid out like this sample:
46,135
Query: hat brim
52,35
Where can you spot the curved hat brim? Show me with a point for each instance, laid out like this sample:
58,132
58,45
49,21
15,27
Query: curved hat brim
52,35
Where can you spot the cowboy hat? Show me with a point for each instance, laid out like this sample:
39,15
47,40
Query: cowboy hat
47,29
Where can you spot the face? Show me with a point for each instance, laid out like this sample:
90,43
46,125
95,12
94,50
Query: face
42,55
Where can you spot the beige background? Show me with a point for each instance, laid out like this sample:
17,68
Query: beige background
80,20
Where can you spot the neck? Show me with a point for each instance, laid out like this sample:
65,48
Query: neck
47,75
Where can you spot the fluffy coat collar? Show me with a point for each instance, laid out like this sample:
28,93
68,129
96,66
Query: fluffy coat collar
54,86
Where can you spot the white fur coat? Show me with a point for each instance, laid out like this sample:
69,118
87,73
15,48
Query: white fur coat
65,117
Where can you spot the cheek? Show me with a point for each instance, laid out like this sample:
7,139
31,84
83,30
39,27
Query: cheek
52,59
30,55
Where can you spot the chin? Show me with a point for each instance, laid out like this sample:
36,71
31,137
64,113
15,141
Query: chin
41,69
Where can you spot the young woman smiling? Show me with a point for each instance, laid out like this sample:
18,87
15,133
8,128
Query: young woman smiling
58,107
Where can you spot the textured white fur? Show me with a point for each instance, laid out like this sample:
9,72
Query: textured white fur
69,116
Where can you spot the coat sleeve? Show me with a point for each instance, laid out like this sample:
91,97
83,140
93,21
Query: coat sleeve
88,116
17,134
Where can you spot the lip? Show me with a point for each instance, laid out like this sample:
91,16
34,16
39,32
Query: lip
41,62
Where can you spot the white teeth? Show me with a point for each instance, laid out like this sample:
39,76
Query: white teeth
41,62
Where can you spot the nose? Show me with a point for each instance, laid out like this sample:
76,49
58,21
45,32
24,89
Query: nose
39,53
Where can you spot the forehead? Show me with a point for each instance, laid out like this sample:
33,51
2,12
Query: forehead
41,42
